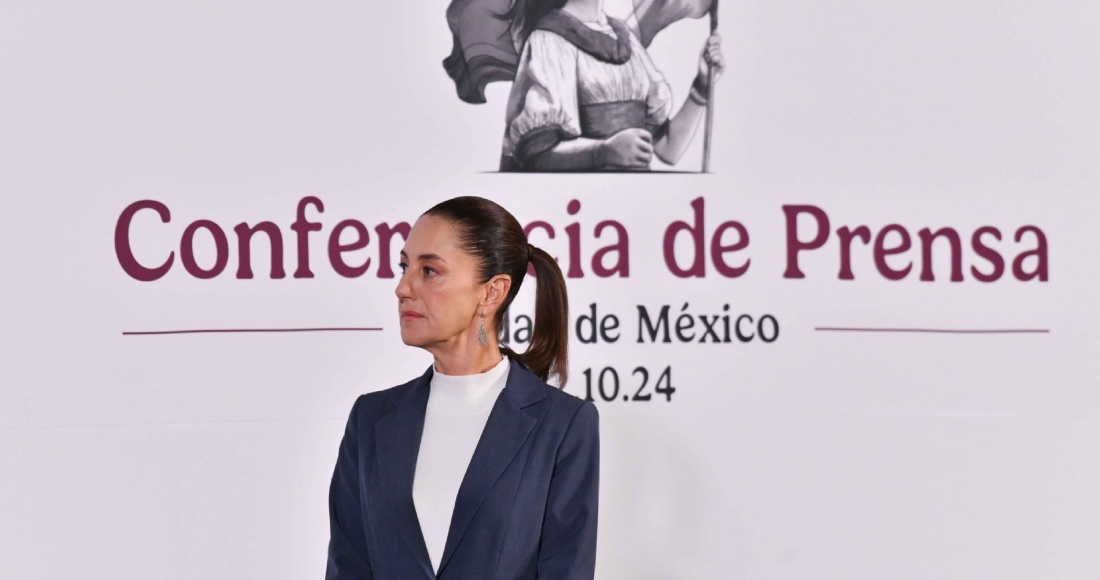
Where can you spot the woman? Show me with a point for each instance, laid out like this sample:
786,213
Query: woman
478,468
587,96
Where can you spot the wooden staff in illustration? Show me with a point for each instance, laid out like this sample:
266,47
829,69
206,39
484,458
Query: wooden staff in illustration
709,126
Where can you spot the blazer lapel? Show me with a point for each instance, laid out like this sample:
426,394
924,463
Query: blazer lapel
505,432
397,440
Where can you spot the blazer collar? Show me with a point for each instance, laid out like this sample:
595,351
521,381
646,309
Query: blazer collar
397,437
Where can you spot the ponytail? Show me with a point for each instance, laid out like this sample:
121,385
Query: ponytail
547,354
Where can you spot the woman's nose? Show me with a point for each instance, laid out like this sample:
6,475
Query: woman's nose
403,290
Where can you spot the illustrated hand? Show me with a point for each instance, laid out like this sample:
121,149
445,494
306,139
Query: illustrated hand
712,55
628,148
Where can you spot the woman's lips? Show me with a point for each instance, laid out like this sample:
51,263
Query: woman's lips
410,315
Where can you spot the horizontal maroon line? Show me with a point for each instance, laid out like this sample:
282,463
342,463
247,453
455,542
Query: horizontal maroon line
938,330
206,330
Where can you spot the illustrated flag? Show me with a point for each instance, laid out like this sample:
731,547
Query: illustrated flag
652,16
484,50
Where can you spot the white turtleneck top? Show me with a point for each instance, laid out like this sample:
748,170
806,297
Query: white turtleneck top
458,408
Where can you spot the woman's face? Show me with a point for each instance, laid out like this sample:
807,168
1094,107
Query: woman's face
438,292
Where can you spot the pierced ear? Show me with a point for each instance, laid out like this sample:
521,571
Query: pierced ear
496,290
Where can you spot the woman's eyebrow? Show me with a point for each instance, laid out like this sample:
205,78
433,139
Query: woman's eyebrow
423,257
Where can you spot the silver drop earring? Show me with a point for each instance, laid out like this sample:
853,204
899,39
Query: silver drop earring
482,336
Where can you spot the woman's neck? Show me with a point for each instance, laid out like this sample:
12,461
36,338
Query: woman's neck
586,10
467,359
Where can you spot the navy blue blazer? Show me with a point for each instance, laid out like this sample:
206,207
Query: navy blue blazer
526,507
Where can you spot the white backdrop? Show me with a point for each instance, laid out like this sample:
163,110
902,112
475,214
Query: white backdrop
822,454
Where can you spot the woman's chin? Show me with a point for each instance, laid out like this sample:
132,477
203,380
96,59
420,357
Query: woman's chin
411,338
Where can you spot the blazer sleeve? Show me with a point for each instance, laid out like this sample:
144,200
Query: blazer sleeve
567,549
347,548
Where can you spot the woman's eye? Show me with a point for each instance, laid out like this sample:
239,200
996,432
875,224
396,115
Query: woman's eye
428,271
403,266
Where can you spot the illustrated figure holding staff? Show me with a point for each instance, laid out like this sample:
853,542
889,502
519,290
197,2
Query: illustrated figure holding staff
585,95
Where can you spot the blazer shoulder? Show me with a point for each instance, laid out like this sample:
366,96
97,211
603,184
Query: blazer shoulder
568,416
563,406
375,403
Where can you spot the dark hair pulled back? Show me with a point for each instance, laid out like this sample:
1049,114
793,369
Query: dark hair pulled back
490,234
524,15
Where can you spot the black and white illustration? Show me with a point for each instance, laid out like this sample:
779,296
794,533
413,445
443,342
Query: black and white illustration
585,94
